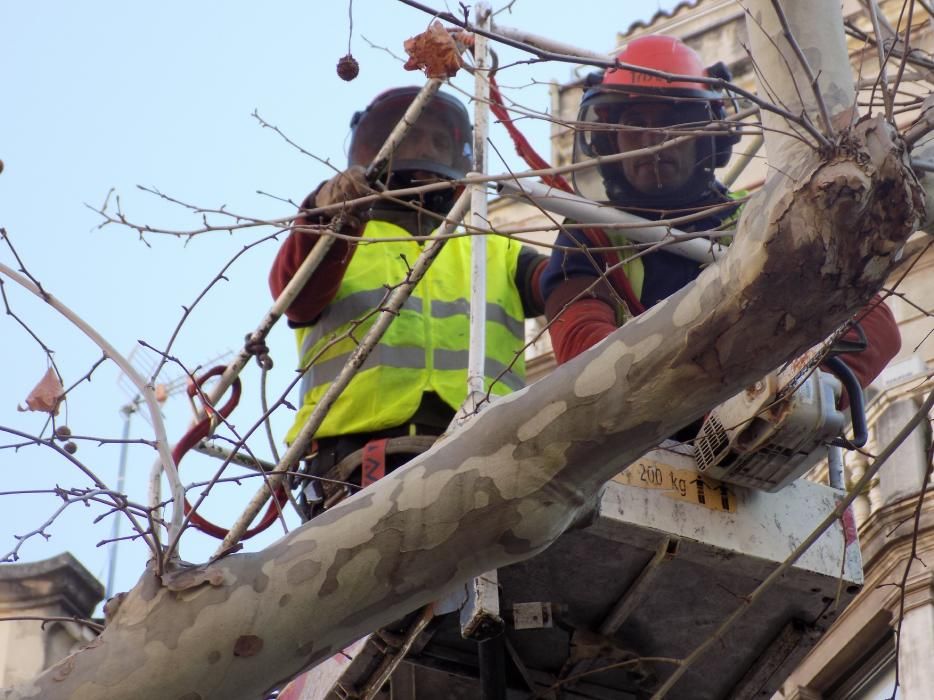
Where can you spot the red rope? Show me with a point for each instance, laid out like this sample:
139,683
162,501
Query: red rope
201,430
595,236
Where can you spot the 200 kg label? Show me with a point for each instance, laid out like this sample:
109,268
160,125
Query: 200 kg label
681,484
655,476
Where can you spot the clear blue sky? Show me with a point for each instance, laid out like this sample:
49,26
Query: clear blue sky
104,94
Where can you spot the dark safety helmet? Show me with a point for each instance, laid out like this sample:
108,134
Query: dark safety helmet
440,141
624,106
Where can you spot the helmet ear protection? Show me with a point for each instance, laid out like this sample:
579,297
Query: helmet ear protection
723,143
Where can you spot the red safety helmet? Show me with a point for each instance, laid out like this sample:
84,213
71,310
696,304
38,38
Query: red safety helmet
620,91
666,54
451,157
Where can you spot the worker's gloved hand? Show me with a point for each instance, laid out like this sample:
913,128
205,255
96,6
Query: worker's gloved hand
344,187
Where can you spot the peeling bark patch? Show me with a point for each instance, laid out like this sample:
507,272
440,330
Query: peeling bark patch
600,375
687,310
546,455
285,600
597,376
541,420
184,611
63,668
402,571
248,645
214,657
287,551
260,582
302,571
149,586
515,545
341,558
363,563
192,577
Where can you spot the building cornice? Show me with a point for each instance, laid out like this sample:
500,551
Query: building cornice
60,580
893,526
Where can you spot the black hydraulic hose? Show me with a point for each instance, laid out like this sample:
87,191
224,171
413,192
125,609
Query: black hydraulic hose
492,661
857,403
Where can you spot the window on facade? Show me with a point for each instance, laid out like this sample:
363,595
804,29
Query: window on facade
872,678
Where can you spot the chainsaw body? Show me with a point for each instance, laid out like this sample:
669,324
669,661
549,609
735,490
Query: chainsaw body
766,436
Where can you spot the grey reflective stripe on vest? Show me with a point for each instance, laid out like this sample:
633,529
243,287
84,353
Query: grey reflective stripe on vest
457,359
353,306
357,305
405,357
494,312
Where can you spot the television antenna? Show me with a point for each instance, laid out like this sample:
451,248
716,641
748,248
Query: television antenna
145,361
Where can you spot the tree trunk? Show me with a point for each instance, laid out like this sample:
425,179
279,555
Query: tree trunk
811,250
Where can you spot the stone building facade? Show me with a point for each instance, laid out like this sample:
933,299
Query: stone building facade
37,603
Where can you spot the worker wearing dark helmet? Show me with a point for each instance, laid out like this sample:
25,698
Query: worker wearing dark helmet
628,111
416,378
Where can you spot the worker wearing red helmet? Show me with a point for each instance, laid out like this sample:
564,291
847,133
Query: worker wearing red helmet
635,106
416,377
627,110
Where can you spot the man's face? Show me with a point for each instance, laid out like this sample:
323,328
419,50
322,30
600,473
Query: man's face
665,170
428,141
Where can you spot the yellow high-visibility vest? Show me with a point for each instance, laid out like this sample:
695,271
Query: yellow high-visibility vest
425,348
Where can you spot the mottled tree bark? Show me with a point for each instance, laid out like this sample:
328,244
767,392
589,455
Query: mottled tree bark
811,250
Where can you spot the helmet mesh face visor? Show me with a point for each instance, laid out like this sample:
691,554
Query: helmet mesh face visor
438,142
614,123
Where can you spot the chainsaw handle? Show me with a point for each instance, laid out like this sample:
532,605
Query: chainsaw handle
842,346
840,370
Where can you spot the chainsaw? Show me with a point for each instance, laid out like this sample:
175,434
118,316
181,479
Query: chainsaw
777,429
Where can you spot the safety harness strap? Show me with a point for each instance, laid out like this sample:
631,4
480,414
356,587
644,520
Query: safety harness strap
373,466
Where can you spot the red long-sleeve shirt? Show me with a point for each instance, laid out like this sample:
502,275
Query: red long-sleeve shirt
325,282
587,321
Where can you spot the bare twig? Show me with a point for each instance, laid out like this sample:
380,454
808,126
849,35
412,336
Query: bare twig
144,389
923,125
583,58
883,59
912,557
812,77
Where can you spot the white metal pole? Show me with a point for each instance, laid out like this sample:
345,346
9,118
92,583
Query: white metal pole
481,611
836,475
585,211
476,389
546,44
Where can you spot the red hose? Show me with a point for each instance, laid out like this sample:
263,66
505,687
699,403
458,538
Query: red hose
196,434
